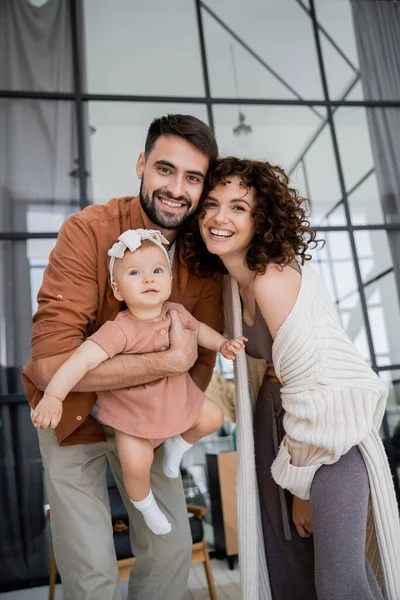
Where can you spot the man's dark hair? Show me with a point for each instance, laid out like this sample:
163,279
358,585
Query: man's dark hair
189,128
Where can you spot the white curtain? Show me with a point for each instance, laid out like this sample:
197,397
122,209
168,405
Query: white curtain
377,29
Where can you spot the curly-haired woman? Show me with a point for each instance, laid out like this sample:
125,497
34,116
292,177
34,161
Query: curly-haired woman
318,455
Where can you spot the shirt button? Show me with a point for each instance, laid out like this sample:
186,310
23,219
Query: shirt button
79,418
163,348
59,295
162,331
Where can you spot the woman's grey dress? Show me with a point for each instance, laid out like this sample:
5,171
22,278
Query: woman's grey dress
330,565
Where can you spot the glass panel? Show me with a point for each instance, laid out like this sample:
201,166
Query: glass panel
340,75
364,201
119,137
335,265
354,144
384,316
374,254
392,380
246,56
355,90
357,129
334,216
381,291
338,44
308,158
337,20
321,169
143,48
36,47
271,128
38,251
18,289
39,185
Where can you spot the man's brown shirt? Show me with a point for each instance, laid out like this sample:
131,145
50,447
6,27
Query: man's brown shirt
75,299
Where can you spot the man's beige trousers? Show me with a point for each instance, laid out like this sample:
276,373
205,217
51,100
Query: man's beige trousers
82,531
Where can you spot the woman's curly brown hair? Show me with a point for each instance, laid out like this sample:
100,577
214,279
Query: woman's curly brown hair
281,228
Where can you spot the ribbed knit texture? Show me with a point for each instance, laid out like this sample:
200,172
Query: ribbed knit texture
333,401
332,398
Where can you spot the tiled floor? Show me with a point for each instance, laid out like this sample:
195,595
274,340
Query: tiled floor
226,582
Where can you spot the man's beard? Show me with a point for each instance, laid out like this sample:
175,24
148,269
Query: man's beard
162,219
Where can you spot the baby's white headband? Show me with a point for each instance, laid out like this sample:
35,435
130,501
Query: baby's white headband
132,240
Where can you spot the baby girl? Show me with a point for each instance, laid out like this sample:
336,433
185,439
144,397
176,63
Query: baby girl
172,409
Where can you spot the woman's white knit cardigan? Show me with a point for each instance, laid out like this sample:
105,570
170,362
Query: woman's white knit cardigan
327,384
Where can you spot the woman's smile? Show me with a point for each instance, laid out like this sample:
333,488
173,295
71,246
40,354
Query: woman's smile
220,234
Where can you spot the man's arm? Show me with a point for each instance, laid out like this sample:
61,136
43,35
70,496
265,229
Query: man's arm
125,370
68,303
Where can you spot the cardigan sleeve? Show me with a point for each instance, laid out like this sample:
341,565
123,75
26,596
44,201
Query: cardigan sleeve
321,426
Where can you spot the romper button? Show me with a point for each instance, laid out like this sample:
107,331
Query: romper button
79,418
163,348
162,331
155,320
59,295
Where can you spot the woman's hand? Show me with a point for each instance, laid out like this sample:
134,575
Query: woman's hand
47,413
230,348
270,373
301,515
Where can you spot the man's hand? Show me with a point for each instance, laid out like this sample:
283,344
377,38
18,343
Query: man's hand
301,514
230,348
183,345
47,413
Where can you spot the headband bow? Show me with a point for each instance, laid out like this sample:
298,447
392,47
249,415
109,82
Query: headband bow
132,240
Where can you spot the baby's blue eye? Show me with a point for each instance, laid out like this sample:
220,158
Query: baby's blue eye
134,273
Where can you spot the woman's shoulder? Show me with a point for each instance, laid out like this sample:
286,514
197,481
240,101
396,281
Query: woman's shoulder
276,292
276,280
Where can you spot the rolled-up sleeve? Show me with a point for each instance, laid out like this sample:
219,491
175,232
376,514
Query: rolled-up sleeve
334,419
68,297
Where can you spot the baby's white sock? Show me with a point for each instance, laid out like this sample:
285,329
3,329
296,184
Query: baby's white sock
174,449
155,519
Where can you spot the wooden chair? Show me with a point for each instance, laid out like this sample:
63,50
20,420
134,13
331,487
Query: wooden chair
199,550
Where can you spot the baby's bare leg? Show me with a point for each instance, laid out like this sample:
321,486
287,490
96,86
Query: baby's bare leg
210,419
136,457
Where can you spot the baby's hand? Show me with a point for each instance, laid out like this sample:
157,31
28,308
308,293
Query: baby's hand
48,412
231,347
